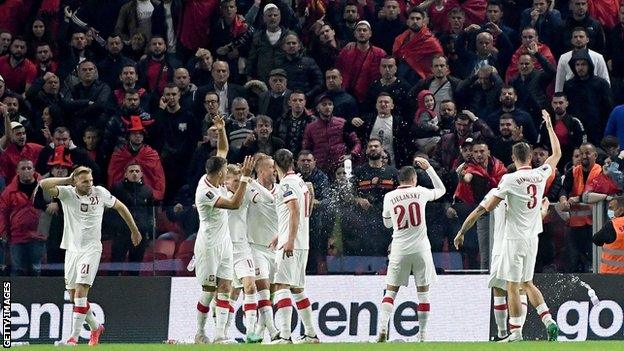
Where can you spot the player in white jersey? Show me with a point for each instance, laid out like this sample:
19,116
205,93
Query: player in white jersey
213,246
83,209
523,190
410,252
294,204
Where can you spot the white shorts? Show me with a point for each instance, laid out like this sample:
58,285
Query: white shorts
495,282
291,270
264,261
420,264
214,262
81,267
517,260
243,267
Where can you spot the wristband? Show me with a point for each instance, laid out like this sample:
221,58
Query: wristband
245,179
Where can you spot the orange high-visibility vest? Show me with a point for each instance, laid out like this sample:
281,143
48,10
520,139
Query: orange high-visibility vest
581,215
612,260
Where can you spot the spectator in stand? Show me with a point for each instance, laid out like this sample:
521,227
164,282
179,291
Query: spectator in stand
589,95
135,151
184,213
18,71
441,83
359,62
371,181
166,22
495,13
388,24
240,124
345,29
176,136
448,112
224,88
580,40
200,67
14,103
325,47
139,199
5,41
425,128
111,67
531,84
569,129
529,39
580,17
211,106
127,80
329,138
480,93
507,99
156,69
74,52
92,141
14,147
547,22
44,59
509,133
320,227
415,48
302,72
135,16
293,123
615,124
274,102
182,80
390,84
579,236
266,45
114,132
137,47
43,94
89,100
261,140
204,151
388,127
345,105
19,221
487,50
614,54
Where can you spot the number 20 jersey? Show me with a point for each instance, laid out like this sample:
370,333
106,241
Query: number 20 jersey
405,206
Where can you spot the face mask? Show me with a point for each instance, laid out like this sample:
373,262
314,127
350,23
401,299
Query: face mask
610,214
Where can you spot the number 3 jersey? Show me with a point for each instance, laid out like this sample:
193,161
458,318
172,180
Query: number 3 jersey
293,188
405,206
523,190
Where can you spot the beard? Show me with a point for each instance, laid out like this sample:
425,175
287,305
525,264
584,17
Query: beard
559,111
415,28
158,56
17,57
373,156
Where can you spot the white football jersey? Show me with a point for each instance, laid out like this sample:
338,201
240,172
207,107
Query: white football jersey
499,214
523,191
82,215
293,188
262,217
405,206
237,219
213,221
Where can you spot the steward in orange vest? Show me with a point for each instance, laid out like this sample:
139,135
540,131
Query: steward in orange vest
574,185
611,238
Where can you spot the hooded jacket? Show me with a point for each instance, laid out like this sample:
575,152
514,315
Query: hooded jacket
425,120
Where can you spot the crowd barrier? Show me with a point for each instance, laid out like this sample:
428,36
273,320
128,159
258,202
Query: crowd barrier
346,309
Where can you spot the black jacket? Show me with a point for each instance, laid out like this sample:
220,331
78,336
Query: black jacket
400,137
139,200
159,23
303,74
532,88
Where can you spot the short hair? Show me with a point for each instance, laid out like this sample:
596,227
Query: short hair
463,117
260,158
579,29
214,164
171,86
12,95
238,99
507,116
389,57
84,170
496,3
560,94
374,138
383,93
61,130
522,151
128,65
446,101
212,92
507,87
305,152
234,169
283,159
264,119
158,36
133,163
439,56
406,173
91,129
609,141
297,91
456,11
480,141
417,10
43,43
16,38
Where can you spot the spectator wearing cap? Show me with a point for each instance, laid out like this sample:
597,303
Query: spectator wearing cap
266,45
135,17
156,69
274,102
19,221
223,86
302,71
345,105
329,138
138,152
51,219
415,48
14,147
114,131
18,71
359,62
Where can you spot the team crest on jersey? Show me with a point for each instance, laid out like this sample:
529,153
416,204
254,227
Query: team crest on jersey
212,278
84,207
210,195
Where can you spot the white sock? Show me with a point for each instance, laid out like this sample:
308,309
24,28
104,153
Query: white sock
500,315
223,310
90,319
231,315
80,313
250,307
213,310
265,312
515,325
305,312
544,313
387,305
423,311
284,312
524,302
203,307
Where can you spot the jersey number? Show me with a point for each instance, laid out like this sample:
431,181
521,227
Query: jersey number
532,191
94,200
84,268
413,212
306,197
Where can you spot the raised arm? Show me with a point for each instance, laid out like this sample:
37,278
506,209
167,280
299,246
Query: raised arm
438,186
123,211
235,201
49,185
6,138
554,158
222,145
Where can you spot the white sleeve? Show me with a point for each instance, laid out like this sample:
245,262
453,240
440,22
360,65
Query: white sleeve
387,214
286,192
64,191
209,197
438,187
260,193
504,186
601,68
107,197
560,78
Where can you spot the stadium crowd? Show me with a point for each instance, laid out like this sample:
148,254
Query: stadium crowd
356,89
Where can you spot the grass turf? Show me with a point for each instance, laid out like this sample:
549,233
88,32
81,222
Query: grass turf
396,346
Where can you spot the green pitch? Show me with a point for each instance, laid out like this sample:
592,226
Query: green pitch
435,346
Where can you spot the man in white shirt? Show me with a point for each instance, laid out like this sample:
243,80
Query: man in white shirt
579,40
83,209
410,252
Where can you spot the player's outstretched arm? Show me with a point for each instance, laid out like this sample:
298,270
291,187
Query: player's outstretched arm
468,223
222,144
235,201
554,158
123,211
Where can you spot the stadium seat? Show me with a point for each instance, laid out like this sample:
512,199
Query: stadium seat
107,251
183,257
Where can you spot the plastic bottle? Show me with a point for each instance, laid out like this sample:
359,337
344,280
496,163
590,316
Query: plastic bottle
592,297
348,167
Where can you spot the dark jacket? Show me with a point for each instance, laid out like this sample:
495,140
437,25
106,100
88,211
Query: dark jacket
576,136
233,91
345,105
110,67
532,88
170,61
548,27
159,23
140,200
479,101
521,117
399,90
400,137
263,57
293,138
274,143
128,20
596,33
265,100
303,74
